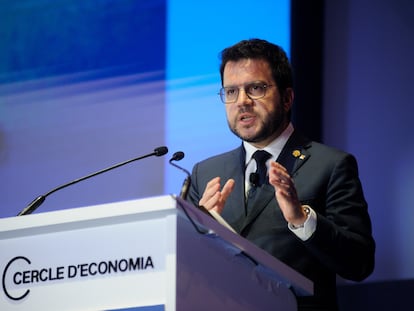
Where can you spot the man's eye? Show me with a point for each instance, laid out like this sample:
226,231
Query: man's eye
255,88
230,91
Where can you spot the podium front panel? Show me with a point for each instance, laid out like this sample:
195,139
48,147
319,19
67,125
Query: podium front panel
75,262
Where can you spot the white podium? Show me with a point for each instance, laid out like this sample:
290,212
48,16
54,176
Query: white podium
151,254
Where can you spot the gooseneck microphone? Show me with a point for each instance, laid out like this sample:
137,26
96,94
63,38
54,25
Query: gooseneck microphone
179,155
160,151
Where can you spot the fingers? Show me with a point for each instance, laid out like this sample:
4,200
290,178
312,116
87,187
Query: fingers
279,176
227,189
284,185
285,192
213,198
212,189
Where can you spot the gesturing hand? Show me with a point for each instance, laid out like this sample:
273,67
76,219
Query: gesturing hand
286,196
213,197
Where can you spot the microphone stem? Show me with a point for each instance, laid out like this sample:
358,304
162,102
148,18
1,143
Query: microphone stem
33,205
98,173
39,200
187,181
185,187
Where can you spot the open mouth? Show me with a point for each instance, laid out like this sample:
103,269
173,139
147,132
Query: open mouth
247,118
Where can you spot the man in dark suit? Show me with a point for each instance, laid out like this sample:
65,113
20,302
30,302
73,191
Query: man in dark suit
309,210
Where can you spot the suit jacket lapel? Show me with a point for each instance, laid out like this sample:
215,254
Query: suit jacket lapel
262,198
295,153
235,205
237,172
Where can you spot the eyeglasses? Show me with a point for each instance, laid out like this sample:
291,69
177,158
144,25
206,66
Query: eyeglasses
253,90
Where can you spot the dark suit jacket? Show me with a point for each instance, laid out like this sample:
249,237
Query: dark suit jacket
327,180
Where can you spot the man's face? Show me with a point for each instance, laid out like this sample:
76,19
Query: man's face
261,120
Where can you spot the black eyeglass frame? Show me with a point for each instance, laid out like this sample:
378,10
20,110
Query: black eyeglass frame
246,88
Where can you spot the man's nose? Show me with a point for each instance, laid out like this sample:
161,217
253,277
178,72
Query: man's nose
243,98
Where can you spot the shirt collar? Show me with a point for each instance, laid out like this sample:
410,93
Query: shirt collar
274,148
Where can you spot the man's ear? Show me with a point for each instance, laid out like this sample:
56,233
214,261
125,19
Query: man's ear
287,99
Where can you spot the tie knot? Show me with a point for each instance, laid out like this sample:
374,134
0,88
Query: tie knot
259,178
261,156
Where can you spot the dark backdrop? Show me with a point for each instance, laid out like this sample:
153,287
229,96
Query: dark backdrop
353,67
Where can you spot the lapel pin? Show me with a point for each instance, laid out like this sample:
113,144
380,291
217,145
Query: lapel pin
296,153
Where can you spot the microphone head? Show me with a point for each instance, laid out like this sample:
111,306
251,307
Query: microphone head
160,151
179,155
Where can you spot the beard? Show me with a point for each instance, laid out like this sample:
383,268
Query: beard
270,125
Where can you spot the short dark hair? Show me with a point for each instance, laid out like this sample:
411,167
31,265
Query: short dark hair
273,54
